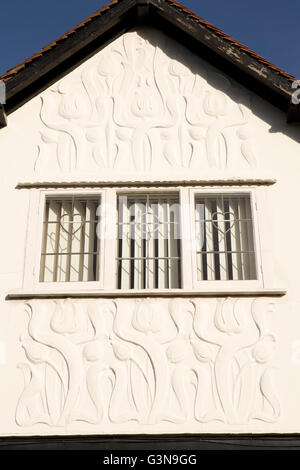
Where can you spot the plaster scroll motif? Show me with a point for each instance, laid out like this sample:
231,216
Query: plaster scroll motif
148,361
141,104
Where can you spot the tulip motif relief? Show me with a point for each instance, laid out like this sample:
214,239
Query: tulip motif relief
147,361
141,104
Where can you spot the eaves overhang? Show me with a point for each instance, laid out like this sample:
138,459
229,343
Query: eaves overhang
67,52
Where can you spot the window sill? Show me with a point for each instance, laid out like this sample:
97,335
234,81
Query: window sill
94,293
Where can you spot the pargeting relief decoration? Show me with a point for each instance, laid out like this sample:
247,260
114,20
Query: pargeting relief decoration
145,103
148,361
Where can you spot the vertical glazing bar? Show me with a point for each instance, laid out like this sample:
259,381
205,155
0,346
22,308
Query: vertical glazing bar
139,208
144,244
44,241
120,232
215,233
56,248
86,240
221,234
90,234
67,223
82,238
156,238
237,260
168,241
96,246
126,242
178,238
132,241
199,239
63,244
162,253
203,240
174,240
209,239
229,222
250,234
76,241
244,239
52,243
151,228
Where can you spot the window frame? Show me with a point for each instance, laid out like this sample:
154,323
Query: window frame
161,194
33,256
113,246
108,244
220,284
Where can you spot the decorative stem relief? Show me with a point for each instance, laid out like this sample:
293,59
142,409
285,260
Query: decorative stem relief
145,103
148,361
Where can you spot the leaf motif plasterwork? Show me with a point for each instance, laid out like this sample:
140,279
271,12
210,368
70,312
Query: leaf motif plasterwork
147,361
143,103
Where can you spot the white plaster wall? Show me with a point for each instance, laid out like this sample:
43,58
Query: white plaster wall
145,108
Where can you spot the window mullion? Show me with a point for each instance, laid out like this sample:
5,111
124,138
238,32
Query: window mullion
187,242
108,252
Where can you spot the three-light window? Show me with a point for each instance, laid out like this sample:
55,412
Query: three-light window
160,239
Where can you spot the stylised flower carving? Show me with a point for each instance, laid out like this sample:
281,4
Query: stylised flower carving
93,351
72,106
264,349
143,104
202,352
145,318
109,65
178,69
121,351
177,351
216,104
227,318
35,352
64,319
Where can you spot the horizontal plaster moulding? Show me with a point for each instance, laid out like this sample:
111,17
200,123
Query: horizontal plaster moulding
212,292
149,182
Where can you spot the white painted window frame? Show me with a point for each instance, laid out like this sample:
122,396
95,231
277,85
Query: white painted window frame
227,284
184,263
35,239
108,244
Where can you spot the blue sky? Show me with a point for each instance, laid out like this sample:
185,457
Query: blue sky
270,28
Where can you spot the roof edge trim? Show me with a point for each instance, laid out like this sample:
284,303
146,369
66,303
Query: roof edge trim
34,74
